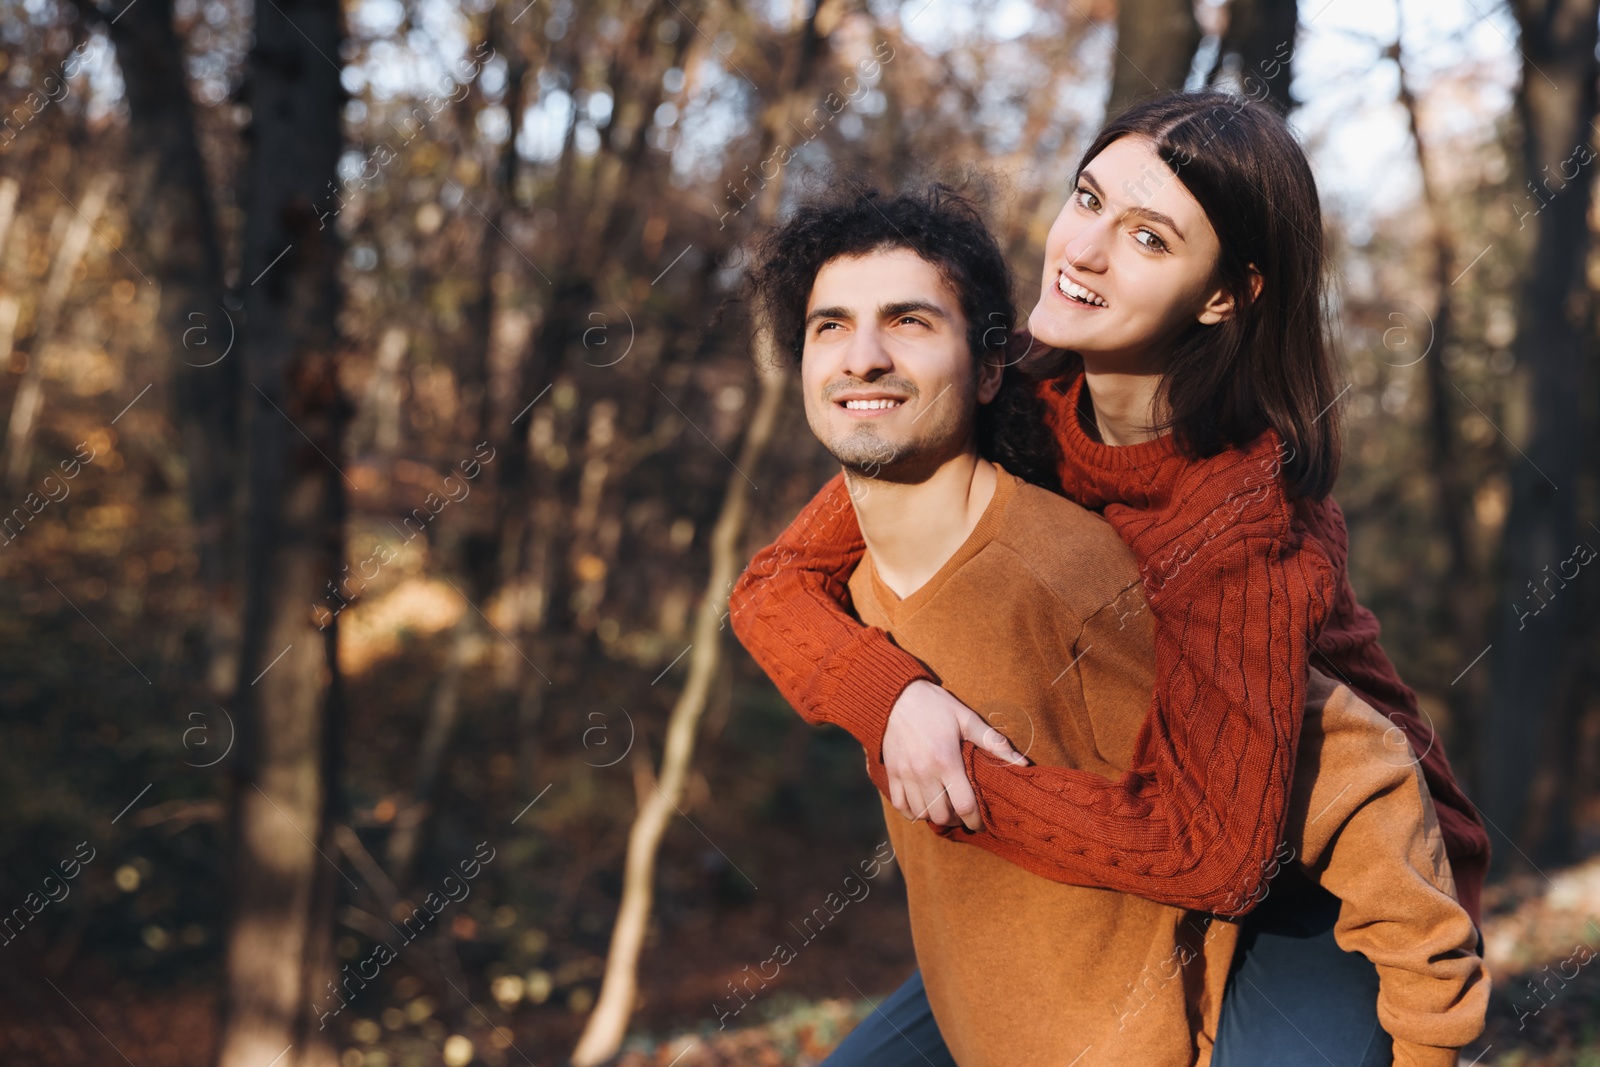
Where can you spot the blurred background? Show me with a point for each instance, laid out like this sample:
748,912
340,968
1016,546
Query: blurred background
383,433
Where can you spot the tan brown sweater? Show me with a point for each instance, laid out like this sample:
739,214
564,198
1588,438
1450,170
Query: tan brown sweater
1035,624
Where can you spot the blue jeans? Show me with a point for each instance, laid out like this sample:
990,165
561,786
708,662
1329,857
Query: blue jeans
1293,999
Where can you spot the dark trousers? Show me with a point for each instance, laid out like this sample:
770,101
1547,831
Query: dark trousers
1293,999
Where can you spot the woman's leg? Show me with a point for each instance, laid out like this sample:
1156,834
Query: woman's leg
1294,998
900,1032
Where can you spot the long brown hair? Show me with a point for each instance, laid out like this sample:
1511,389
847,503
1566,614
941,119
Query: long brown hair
1270,364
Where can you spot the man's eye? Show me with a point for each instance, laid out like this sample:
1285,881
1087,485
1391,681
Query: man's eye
911,319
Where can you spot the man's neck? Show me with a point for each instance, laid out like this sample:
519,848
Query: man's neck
913,530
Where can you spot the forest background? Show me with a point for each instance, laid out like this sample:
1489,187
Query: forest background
384,428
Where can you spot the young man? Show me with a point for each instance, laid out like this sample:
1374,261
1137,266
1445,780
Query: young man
1027,607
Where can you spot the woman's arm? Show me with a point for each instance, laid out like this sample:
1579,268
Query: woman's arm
1218,740
791,610
1196,821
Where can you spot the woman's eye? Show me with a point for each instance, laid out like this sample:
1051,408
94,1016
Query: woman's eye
1150,240
1088,199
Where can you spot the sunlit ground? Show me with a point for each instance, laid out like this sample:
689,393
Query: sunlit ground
1542,932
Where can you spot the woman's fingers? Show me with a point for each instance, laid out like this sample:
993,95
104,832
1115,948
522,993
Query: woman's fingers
963,802
936,809
991,740
897,796
916,807
922,755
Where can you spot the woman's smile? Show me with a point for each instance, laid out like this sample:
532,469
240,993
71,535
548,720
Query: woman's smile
1078,293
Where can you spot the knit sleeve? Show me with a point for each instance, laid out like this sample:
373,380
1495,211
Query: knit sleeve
791,610
1196,821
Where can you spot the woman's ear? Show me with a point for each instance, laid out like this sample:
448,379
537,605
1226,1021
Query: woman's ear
1221,306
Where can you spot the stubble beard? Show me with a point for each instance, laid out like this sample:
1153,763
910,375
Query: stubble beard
865,455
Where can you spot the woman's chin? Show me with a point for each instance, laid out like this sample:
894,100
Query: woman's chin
1048,329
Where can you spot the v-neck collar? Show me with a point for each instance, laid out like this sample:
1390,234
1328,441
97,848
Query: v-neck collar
898,609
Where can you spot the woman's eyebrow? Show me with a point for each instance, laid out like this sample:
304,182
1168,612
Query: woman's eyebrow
1143,212
1158,217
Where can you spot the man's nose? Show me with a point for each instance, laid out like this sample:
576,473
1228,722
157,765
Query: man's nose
866,357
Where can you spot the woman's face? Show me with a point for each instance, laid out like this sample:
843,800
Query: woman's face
1129,264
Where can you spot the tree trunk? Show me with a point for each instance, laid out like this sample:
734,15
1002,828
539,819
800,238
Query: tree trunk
1258,49
1156,40
530,519
660,799
173,219
29,399
608,1024
10,189
472,553
1533,654
377,421
1462,616
443,710
286,701
480,407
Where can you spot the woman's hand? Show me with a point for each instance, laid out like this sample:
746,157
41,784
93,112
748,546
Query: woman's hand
922,755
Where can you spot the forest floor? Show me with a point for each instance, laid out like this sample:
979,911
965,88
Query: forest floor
778,816
1534,932
1542,939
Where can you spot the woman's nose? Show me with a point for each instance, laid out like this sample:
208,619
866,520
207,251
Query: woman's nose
1087,248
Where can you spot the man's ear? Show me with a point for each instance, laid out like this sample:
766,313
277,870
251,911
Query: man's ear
991,370
1220,306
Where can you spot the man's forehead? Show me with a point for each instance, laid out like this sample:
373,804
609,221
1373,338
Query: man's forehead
880,278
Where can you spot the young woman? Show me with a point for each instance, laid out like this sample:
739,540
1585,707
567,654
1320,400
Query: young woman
1196,411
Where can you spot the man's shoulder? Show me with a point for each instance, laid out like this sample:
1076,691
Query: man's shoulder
1072,552
1045,524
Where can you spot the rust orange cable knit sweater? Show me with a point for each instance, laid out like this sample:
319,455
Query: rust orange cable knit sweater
1247,589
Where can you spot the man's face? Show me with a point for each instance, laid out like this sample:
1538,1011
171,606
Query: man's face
891,388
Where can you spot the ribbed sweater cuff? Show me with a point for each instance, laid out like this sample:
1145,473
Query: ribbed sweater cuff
877,673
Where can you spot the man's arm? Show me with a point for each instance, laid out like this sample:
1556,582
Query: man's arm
1348,648
1363,827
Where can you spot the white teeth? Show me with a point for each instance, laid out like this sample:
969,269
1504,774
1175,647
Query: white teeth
1078,292
870,405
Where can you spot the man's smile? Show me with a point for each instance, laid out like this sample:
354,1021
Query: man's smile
868,404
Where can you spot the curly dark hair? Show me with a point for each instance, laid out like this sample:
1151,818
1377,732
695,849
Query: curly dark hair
947,230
